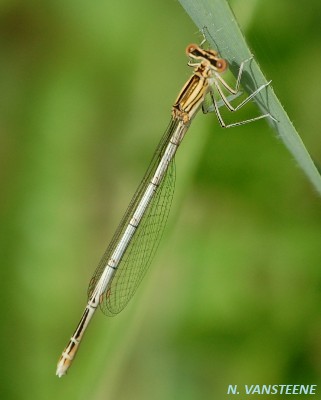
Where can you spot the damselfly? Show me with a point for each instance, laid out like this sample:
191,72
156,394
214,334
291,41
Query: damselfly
130,252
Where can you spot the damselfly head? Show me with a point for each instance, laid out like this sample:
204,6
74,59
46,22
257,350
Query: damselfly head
210,56
196,52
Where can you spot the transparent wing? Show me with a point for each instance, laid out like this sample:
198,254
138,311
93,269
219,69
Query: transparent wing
143,245
141,250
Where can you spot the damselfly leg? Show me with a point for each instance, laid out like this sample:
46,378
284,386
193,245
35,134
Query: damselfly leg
217,84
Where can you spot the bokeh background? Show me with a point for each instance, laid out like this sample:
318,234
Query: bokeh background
234,293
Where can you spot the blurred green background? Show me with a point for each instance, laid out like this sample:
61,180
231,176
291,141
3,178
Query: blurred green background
234,293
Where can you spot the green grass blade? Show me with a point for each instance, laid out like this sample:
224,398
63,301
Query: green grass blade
225,35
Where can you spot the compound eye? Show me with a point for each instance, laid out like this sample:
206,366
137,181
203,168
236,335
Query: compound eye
221,65
190,49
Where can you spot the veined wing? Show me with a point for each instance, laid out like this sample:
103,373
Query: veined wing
143,245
